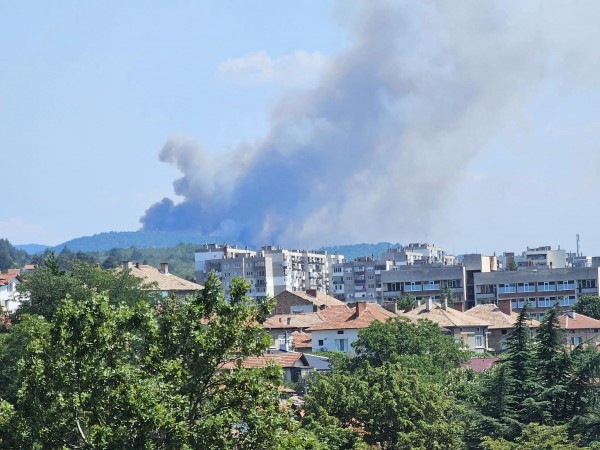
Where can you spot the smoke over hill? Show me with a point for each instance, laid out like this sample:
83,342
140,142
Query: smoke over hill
377,146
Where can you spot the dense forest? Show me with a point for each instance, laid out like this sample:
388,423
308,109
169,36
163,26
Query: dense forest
92,360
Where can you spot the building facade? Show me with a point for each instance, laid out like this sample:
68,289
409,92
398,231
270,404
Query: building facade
541,288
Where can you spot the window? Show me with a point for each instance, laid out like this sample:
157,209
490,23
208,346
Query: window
337,270
525,287
412,286
321,343
478,341
504,331
518,303
576,340
393,287
545,302
340,332
547,286
509,288
568,285
453,283
341,345
431,285
349,278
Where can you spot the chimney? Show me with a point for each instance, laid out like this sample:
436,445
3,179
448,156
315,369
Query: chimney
127,265
280,320
505,305
572,315
391,306
429,304
164,268
459,306
137,265
312,292
289,320
360,307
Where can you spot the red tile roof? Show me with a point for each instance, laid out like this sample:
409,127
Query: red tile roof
350,320
480,364
446,318
285,360
6,278
578,322
301,340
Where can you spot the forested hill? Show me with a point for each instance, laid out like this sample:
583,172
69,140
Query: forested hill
138,239
11,257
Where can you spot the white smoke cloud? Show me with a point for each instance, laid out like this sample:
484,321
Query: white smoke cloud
296,70
378,145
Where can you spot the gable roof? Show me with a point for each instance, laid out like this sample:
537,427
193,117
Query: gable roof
496,317
353,319
318,299
446,318
576,321
285,359
6,278
164,281
304,320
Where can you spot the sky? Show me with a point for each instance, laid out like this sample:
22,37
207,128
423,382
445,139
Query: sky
471,125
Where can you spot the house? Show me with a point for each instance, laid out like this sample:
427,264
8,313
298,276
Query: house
163,282
471,330
295,365
340,331
502,321
9,300
281,327
579,328
308,301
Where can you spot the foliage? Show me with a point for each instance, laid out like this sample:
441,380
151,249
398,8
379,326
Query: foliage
46,287
512,266
406,301
391,404
588,305
10,257
420,345
108,373
535,437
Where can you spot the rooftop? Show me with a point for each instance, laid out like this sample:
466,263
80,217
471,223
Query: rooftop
164,280
497,318
445,317
361,316
576,321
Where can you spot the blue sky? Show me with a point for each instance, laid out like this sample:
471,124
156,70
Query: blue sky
90,92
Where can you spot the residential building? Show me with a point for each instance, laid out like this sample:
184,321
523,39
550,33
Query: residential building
472,331
502,321
161,280
339,332
271,270
308,301
9,298
542,257
295,365
358,280
579,329
541,288
425,282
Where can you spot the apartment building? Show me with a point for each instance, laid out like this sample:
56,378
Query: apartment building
425,282
270,270
358,279
541,288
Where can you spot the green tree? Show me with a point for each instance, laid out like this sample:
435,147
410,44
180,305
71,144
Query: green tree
406,301
420,345
512,266
536,437
392,404
125,374
45,288
588,305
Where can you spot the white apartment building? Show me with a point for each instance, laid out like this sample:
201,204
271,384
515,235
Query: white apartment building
271,270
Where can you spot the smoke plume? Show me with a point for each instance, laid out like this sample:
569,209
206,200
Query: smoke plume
375,148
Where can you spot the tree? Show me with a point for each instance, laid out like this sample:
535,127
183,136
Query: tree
405,301
536,437
45,288
588,305
512,266
392,404
108,373
418,345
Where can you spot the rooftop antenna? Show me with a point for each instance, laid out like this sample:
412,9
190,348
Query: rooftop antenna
577,239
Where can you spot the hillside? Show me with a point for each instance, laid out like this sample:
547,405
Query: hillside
138,239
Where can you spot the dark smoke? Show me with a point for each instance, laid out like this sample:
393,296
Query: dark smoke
375,149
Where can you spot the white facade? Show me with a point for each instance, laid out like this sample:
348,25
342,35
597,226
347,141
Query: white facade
9,298
334,340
